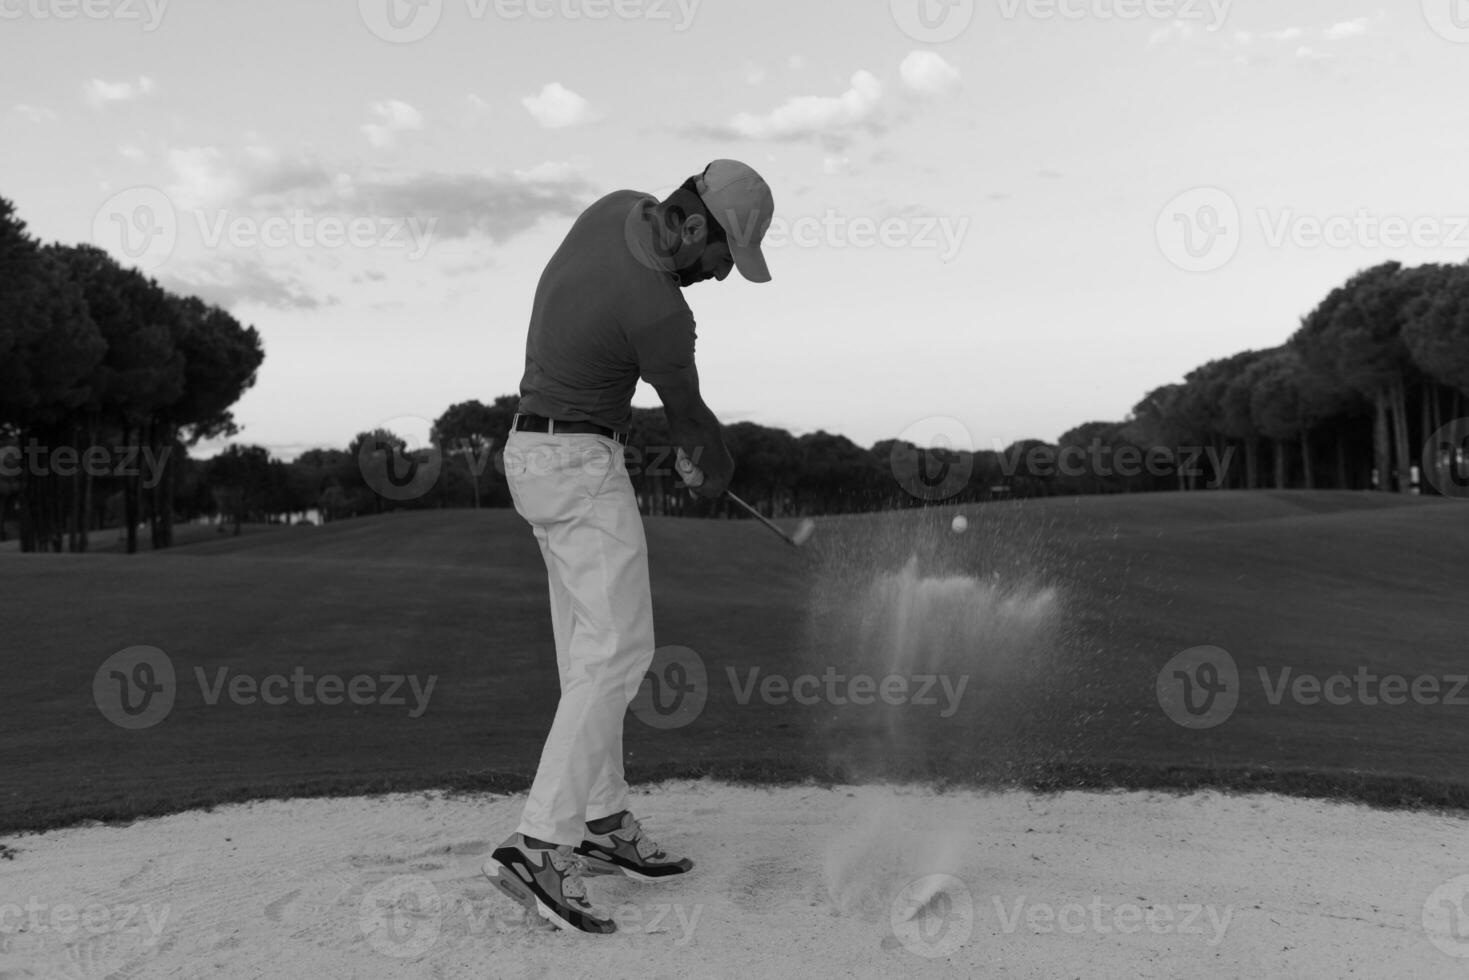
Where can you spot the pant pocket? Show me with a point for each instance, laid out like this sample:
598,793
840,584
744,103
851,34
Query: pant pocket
600,462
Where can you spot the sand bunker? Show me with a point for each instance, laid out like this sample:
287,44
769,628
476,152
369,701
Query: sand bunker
858,881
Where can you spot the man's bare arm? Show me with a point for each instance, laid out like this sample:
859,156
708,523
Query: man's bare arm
696,431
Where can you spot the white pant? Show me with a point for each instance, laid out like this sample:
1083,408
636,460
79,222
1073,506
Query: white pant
575,492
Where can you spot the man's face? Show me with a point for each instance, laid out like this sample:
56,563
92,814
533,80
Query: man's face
715,262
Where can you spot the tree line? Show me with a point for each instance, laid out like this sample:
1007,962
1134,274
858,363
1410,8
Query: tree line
99,361
105,379
1351,400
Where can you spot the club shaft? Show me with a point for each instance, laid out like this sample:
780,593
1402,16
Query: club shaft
761,518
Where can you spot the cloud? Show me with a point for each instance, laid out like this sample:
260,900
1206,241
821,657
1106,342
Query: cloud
558,107
832,120
99,93
1347,28
752,73
927,73
262,182
132,153
232,280
393,117
257,183
1286,34
200,177
476,205
1307,53
36,114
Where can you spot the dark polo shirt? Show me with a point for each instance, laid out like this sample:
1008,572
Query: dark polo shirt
604,316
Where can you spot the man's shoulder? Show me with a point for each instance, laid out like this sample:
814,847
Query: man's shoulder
604,220
619,201
648,292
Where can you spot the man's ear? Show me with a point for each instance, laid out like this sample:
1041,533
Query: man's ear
695,229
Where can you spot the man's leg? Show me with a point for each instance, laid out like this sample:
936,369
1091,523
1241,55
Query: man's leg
563,611
595,548
609,791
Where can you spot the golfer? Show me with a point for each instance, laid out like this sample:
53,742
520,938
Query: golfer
608,311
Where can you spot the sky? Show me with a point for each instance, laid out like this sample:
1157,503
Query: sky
995,219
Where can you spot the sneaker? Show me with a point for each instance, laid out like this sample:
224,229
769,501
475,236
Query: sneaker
548,882
629,851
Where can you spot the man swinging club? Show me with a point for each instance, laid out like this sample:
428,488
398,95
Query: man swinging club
608,311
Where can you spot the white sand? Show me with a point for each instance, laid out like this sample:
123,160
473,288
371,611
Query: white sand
796,882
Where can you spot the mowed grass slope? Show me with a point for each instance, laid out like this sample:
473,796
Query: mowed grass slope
1321,583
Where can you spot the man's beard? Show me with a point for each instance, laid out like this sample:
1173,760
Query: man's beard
690,274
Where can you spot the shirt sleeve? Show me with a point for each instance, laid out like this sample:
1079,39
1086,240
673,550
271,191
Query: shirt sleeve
664,347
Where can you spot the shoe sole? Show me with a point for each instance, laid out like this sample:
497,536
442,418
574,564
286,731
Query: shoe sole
512,887
599,866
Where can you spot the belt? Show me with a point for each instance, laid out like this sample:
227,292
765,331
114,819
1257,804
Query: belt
539,423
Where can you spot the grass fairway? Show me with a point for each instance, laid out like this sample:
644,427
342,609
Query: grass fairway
1321,583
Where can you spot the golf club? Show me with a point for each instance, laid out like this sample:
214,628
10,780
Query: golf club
690,473
803,531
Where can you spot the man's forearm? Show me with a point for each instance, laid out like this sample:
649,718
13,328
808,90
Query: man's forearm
701,437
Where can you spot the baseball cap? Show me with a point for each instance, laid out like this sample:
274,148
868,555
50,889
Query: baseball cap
741,202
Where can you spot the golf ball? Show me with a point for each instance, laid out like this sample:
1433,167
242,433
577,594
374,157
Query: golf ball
960,524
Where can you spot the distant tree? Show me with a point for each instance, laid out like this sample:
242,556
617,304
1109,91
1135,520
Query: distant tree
387,454
49,348
220,360
1234,384
835,474
766,463
1168,417
649,452
10,485
471,431
323,474
1437,332
240,478
142,371
1029,468
286,492
1354,337
1437,338
1106,447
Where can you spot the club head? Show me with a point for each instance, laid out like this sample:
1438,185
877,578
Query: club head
803,532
